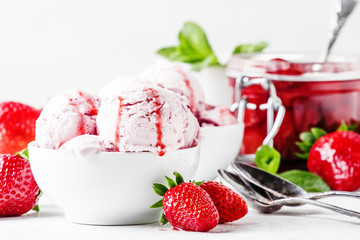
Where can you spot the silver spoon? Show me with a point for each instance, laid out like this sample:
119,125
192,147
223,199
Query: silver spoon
278,187
268,206
255,200
344,9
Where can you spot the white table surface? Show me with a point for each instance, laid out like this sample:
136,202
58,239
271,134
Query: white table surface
305,222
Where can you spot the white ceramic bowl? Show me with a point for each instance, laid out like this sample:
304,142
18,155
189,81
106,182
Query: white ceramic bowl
108,188
219,147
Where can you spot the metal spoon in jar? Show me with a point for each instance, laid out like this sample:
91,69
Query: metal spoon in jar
267,205
344,9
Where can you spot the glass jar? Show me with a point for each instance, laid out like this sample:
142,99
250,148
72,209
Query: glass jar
313,94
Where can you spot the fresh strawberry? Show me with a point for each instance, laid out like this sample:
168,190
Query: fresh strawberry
18,189
189,207
17,126
186,205
229,204
336,158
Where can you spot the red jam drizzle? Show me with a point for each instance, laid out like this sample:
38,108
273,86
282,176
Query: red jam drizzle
90,100
93,110
188,85
158,123
118,121
81,128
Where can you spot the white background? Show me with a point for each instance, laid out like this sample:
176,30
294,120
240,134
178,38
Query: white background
48,46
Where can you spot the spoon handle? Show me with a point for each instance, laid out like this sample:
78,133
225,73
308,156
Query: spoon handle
335,194
293,201
345,7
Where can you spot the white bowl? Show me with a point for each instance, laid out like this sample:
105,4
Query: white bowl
215,84
219,147
108,188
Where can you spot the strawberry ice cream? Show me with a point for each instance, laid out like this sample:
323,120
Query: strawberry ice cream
172,76
209,115
67,115
118,86
146,117
86,145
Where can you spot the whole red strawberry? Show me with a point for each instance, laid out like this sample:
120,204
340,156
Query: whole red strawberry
17,126
18,189
189,207
230,205
335,157
186,205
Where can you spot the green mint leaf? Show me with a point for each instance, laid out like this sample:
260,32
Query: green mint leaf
24,154
158,204
36,208
170,182
209,61
168,52
306,180
179,178
267,158
163,219
193,41
194,48
160,189
250,48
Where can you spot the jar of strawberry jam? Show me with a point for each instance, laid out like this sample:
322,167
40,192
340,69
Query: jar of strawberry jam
308,93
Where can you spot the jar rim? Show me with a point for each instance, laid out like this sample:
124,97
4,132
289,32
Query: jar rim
340,67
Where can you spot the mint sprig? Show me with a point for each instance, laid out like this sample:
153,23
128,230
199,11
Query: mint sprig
268,159
250,48
194,48
307,180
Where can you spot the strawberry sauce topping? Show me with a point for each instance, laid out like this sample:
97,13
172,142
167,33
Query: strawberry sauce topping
158,123
90,100
81,129
117,128
188,85
93,110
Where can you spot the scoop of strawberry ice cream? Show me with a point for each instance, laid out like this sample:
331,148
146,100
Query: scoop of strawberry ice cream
209,115
67,115
174,77
86,145
145,117
118,86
